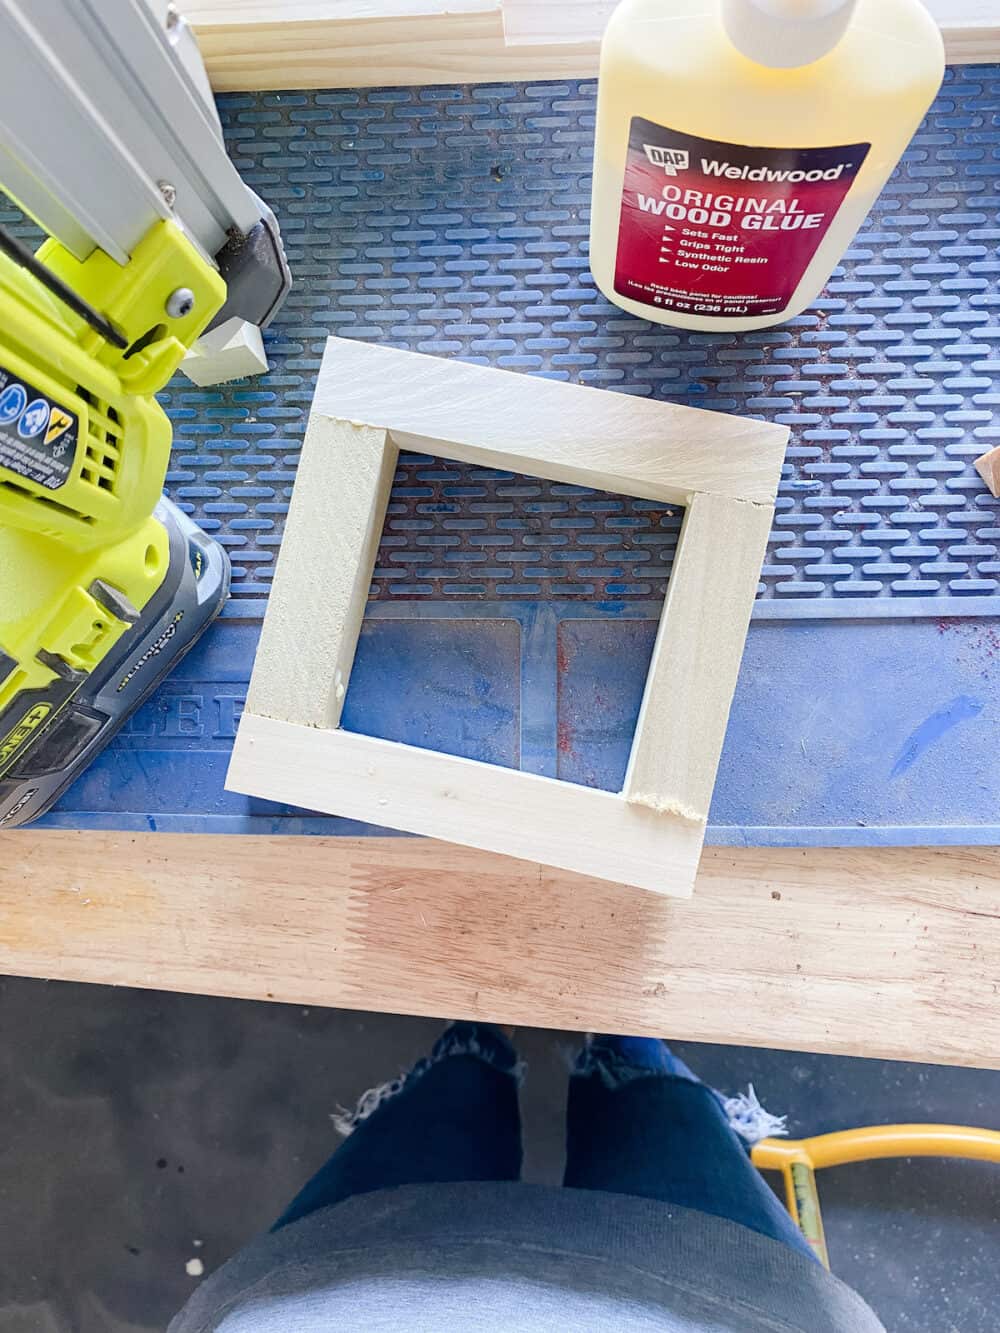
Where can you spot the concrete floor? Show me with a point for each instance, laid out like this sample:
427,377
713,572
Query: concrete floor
141,1130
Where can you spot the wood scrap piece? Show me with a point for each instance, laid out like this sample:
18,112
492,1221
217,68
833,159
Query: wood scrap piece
988,467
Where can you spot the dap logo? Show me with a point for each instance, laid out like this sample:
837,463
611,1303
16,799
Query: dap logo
671,160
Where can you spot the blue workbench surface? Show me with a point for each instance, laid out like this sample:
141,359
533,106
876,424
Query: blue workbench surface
512,619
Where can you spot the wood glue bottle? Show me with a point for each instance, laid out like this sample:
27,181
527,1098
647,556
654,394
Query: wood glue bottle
740,144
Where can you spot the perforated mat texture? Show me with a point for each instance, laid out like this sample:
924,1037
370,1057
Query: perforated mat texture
453,220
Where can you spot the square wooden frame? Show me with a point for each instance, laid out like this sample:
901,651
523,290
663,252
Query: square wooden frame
370,403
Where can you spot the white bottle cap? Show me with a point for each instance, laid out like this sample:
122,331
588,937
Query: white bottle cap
786,33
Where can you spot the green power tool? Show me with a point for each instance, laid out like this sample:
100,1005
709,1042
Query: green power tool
110,142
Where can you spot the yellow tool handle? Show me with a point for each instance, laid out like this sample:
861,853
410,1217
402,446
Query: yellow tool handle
799,1159
880,1141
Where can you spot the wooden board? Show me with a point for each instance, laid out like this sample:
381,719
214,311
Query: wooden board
677,750
251,44
550,428
481,805
371,401
323,573
893,952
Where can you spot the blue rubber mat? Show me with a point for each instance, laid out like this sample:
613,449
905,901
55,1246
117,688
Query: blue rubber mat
511,619
454,221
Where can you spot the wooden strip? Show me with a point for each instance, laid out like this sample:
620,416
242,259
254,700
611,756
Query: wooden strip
970,28
319,44
323,574
566,432
696,657
481,805
556,22
339,11
259,44
891,952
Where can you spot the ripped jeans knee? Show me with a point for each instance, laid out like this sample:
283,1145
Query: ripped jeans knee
617,1061
481,1041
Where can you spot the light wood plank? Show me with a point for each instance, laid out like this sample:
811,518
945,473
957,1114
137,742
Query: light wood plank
892,952
970,28
319,44
481,805
565,432
251,44
696,657
323,573
555,22
237,12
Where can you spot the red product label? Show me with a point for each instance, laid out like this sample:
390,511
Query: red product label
719,229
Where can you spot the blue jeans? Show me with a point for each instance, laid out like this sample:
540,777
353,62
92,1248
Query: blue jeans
637,1122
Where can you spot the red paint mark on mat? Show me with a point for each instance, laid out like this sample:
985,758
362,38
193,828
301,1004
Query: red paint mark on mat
975,640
